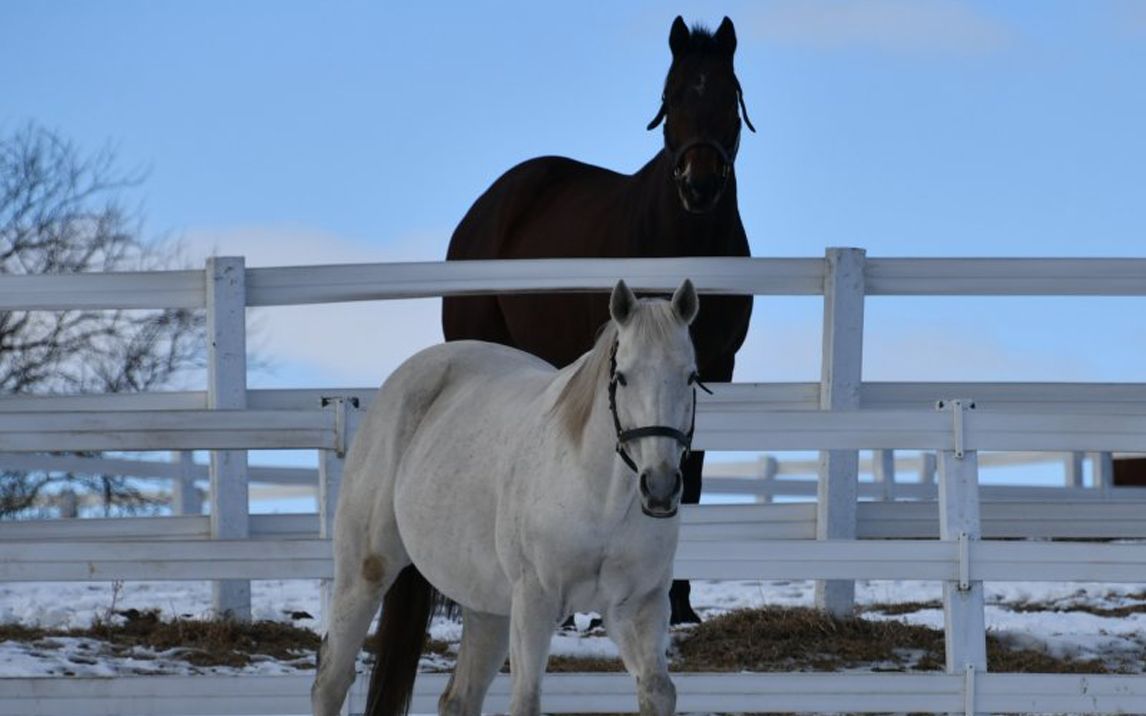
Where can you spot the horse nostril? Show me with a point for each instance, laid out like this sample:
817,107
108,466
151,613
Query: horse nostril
678,483
645,483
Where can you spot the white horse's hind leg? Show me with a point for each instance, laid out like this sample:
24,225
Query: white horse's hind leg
640,629
485,642
358,590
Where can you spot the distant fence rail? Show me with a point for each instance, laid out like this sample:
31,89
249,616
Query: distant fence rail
838,416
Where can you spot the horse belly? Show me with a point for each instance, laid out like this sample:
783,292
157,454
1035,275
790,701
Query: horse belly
446,504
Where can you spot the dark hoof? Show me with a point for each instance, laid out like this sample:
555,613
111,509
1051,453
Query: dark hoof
683,613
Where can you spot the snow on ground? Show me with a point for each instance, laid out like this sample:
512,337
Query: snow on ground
1059,623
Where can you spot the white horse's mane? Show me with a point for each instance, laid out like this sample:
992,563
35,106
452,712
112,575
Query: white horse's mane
652,323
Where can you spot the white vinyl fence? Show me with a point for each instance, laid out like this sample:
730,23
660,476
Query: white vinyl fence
831,540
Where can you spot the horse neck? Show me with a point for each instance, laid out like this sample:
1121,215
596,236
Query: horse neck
596,447
664,228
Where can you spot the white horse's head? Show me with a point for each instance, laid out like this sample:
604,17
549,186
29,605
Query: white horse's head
653,398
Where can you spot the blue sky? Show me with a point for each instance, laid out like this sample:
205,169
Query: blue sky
323,133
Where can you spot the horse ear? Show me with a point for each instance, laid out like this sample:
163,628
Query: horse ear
622,303
685,303
678,36
726,36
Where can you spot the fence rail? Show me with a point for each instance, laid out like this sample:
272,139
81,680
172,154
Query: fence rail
603,693
1011,519
937,560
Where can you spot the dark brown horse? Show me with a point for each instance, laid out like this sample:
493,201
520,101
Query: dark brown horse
682,203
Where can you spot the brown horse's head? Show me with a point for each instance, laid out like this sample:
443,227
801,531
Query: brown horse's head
701,109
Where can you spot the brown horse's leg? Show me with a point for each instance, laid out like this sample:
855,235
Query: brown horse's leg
682,611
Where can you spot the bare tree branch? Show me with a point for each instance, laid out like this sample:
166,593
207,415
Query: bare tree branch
60,212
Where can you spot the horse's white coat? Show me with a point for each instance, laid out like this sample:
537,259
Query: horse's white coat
465,467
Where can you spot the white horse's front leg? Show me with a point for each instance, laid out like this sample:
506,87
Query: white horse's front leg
533,617
639,626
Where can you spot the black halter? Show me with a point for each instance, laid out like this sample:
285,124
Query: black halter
624,436
727,156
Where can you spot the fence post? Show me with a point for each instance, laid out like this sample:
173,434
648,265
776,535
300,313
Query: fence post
1102,468
227,390
883,472
769,467
1072,464
959,525
330,464
185,499
927,468
840,375
69,503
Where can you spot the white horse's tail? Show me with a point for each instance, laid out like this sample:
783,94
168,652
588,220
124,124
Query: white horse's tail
406,614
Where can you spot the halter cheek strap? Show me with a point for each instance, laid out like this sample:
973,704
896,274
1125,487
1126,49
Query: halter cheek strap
624,436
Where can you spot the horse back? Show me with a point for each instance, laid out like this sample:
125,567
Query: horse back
541,196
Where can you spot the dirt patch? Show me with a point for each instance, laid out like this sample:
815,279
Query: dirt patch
583,663
1119,612
198,642
899,608
774,639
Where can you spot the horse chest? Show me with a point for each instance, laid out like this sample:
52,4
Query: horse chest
589,563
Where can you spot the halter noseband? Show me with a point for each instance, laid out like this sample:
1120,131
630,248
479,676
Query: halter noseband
727,157
624,436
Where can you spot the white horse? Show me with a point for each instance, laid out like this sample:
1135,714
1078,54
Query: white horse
523,494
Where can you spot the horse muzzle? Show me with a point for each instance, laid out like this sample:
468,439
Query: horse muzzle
701,197
700,171
660,492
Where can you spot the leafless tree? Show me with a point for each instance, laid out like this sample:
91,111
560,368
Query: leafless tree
62,211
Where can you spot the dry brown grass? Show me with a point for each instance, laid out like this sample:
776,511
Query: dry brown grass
199,642
769,639
775,639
